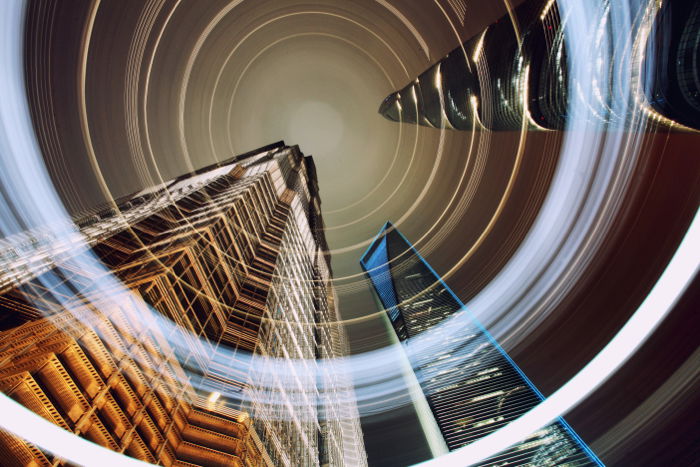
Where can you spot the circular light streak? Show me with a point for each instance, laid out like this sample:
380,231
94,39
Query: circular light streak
675,279
22,169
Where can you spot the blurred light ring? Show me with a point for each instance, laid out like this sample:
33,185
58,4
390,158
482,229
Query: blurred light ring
86,36
278,18
182,95
673,281
202,38
132,112
199,44
198,292
307,12
396,152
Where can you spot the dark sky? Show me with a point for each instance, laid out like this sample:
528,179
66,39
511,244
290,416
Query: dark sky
133,92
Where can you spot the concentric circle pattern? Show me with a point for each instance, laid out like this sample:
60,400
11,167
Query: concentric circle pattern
562,213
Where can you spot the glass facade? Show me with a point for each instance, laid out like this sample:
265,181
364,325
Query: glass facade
673,60
233,261
472,386
496,80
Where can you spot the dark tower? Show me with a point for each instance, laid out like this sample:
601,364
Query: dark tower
471,384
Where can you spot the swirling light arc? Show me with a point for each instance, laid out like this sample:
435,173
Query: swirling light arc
20,149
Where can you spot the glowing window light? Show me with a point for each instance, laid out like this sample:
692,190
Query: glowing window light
673,281
546,9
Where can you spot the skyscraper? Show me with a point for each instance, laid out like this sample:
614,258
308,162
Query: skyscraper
112,378
229,268
471,384
517,70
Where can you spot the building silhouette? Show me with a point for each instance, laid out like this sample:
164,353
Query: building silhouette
503,77
470,383
231,264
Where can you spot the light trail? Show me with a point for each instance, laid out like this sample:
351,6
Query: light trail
28,191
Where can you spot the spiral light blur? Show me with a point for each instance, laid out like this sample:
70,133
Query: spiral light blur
570,234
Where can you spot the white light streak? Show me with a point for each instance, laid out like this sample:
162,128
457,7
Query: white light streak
376,373
546,9
479,46
673,282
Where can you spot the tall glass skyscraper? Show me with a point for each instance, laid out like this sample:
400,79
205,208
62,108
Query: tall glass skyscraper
498,77
471,384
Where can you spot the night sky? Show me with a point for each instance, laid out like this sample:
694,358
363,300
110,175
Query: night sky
164,87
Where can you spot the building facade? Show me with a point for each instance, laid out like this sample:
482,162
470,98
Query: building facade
515,74
232,263
113,379
470,383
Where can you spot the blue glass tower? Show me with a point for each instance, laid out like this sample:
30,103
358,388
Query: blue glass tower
472,386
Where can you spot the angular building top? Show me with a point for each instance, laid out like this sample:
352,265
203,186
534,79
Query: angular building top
471,384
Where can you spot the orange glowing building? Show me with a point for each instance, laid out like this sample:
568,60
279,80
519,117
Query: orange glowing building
115,382
138,330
